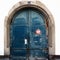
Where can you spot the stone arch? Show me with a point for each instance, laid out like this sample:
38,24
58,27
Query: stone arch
38,5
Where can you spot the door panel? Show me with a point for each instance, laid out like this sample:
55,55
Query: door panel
38,40
36,18
19,34
38,36
19,52
38,53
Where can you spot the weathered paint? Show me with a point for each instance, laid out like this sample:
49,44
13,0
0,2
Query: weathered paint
23,30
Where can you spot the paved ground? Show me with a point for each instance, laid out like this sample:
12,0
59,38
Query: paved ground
7,58
18,59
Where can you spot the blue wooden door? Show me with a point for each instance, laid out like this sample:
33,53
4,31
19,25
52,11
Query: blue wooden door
28,38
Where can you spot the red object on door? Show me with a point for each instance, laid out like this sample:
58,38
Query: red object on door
38,31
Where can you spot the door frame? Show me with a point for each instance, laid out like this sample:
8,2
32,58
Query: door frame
47,14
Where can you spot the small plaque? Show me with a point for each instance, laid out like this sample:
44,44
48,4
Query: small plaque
25,41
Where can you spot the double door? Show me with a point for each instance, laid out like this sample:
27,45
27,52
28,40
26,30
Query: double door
28,38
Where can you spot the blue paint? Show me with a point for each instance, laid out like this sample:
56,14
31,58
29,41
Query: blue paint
24,25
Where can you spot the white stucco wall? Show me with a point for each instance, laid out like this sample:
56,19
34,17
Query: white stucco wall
52,5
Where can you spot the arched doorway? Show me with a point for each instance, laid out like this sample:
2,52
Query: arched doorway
36,21
28,35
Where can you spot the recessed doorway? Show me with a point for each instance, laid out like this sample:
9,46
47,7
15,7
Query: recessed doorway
29,35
